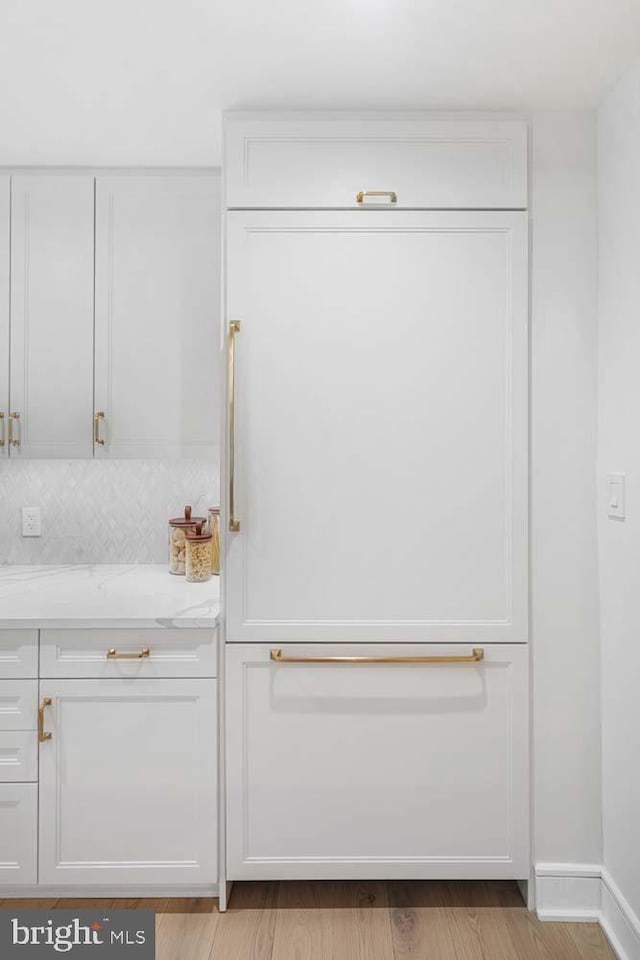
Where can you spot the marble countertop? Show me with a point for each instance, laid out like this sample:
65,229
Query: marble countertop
104,596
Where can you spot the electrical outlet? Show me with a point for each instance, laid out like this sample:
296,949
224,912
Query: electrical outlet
31,522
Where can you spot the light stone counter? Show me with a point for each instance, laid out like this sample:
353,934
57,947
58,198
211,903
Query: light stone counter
104,596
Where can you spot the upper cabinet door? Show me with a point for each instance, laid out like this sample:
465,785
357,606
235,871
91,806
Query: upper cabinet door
5,221
157,315
380,473
52,224
348,162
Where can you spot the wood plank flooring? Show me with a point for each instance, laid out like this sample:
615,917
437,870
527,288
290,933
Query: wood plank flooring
368,920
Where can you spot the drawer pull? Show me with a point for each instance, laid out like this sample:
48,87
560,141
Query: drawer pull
364,195
14,434
114,655
42,736
278,657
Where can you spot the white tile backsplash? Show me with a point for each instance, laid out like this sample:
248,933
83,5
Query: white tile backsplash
99,511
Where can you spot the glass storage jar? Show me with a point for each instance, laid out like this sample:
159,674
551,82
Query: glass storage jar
178,526
214,530
198,548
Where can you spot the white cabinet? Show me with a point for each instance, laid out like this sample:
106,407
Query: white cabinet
18,832
5,233
157,315
418,162
52,221
377,770
380,426
128,782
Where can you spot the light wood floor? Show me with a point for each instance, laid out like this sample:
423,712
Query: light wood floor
416,920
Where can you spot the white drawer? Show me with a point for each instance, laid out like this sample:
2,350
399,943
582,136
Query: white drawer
18,704
18,756
18,653
18,833
67,654
308,162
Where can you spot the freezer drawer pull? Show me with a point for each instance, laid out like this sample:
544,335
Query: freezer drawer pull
114,655
476,655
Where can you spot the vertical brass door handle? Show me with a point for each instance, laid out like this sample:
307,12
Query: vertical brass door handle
234,328
1,429
14,418
42,736
97,420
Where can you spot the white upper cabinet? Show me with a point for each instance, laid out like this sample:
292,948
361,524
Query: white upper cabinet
5,222
157,315
317,162
380,475
52,221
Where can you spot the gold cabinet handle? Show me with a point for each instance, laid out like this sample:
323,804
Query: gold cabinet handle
98,419
14,418
278,657
114,655
1,429
364,195
42,736
234,328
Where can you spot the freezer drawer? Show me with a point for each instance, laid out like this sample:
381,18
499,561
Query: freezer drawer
377,769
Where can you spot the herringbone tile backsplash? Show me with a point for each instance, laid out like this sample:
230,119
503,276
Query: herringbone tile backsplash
99,511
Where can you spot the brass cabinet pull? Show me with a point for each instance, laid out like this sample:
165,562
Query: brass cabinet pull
363,195
278,657
14,418
234,328
1,429
114,655
97,420
42,736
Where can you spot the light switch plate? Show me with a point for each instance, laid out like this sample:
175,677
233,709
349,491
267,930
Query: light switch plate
616,496
31,522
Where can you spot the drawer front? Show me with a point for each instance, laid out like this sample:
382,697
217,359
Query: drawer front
377,769
68,654
18,705
18,653
18,756
18,833
427,164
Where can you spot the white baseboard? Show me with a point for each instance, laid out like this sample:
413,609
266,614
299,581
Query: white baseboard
575,892
124,892
568,892
619,922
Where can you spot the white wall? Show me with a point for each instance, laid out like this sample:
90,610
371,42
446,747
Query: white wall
619,451
564,586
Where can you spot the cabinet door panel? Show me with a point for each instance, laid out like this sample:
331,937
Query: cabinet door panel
18,704
157,314
18,833
5,225
128,782
18,653
381,427
52,223
379,770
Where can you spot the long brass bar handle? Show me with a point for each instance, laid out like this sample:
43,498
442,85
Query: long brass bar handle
234,328
42,736
14,418
278,657
1,429
364,195
97,421
114,655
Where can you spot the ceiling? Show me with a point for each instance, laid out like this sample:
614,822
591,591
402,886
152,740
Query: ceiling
144,81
